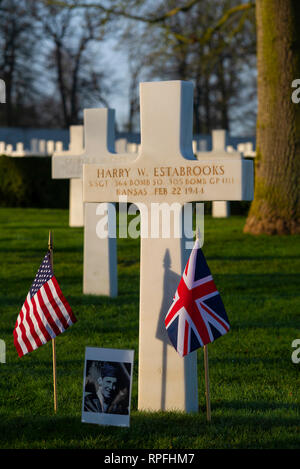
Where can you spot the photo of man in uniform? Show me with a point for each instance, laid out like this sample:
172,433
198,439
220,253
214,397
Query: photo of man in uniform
107,387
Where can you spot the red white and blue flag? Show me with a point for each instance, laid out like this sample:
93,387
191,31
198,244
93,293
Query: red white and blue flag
197,315
45,313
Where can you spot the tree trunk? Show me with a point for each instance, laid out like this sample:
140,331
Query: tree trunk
276,205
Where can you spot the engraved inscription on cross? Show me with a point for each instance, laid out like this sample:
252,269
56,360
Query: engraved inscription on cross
166,171
100,257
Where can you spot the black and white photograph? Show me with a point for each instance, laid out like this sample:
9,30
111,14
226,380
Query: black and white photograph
107,386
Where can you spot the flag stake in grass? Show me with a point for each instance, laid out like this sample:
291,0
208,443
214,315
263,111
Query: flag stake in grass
197,315
207,392
50,247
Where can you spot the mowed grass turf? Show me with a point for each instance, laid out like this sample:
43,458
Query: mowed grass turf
254,384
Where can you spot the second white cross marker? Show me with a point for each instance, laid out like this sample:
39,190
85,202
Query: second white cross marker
165,171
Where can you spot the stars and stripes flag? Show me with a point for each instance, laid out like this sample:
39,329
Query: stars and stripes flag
45,313
197,315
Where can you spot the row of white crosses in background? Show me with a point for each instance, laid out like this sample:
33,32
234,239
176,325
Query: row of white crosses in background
166,381
76,206
45,147
92,283
100,255
37,148
49,147
221,209
76,147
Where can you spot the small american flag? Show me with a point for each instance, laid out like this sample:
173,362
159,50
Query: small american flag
45,313
197,315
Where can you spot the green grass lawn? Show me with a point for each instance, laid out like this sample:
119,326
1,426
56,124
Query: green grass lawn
254,384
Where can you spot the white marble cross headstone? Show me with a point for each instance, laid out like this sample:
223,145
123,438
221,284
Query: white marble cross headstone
9,149
165,171
220,209
50,146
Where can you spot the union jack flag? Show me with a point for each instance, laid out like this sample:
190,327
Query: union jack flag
197,315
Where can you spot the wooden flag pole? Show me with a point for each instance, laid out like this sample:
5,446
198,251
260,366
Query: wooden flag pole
50,247
207,392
